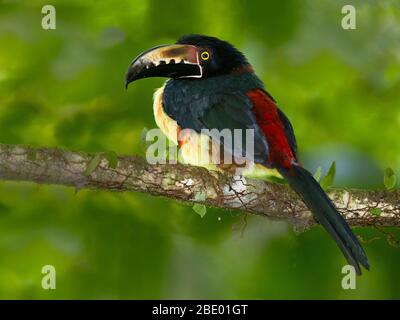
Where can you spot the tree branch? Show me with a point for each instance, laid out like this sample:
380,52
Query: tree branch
186,183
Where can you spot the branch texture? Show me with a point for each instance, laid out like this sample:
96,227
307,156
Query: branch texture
190,184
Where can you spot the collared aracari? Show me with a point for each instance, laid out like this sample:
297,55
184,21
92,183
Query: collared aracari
212,86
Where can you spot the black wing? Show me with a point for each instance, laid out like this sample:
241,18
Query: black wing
226,111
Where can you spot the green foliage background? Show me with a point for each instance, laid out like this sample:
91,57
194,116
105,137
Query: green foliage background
340,88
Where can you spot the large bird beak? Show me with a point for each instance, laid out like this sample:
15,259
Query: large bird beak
172,61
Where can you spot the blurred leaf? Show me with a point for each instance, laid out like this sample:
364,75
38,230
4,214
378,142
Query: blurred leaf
112,159
376,212
200,209
327,181
389,178
92,164
318,173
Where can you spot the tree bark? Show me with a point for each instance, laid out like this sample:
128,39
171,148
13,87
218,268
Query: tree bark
190,184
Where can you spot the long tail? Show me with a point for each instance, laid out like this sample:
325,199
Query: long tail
327,215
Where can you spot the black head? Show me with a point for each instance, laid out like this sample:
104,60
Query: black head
192,57
221,56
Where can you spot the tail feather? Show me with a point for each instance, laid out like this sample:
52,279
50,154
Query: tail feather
326,214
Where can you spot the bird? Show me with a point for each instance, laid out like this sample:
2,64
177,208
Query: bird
212,86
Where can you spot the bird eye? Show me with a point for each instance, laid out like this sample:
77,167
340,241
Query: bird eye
205,55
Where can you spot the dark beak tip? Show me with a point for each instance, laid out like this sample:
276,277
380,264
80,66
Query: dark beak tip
129,77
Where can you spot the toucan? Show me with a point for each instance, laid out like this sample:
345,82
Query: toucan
212,85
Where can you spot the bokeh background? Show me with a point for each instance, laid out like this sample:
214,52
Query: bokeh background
65,87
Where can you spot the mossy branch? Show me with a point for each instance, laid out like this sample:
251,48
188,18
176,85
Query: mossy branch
182,182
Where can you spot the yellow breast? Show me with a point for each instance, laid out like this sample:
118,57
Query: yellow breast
167,125
192,147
